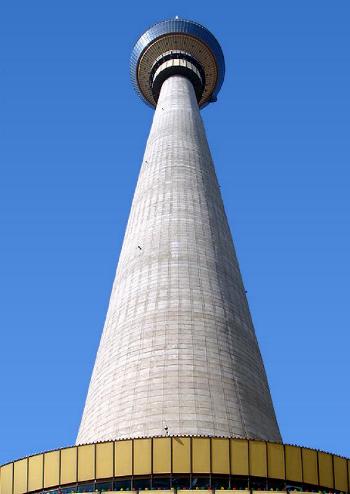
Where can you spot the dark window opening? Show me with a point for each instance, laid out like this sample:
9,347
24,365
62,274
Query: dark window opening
122,485
104,486
181,482
161,483
86,488
258,484
220,482
141,484
239,483
200,482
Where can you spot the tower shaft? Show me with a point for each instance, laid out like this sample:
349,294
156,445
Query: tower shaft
178,348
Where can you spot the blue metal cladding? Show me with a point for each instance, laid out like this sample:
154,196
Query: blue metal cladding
177,26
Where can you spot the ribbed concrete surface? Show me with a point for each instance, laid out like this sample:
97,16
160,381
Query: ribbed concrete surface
178,347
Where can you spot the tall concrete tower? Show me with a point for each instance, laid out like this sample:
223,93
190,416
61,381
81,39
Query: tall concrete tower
178,350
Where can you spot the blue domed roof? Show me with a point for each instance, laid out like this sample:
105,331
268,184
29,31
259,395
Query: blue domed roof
183,26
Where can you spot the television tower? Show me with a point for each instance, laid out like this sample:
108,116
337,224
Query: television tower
178,348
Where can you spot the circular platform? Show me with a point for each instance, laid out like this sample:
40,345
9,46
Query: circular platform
177,36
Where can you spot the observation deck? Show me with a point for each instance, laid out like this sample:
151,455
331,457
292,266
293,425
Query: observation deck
177,46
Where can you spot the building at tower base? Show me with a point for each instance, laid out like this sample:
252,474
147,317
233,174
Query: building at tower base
178,464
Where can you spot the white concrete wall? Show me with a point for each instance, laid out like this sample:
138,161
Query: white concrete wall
178,347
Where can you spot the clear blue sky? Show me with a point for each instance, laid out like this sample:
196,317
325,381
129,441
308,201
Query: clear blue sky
72,134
